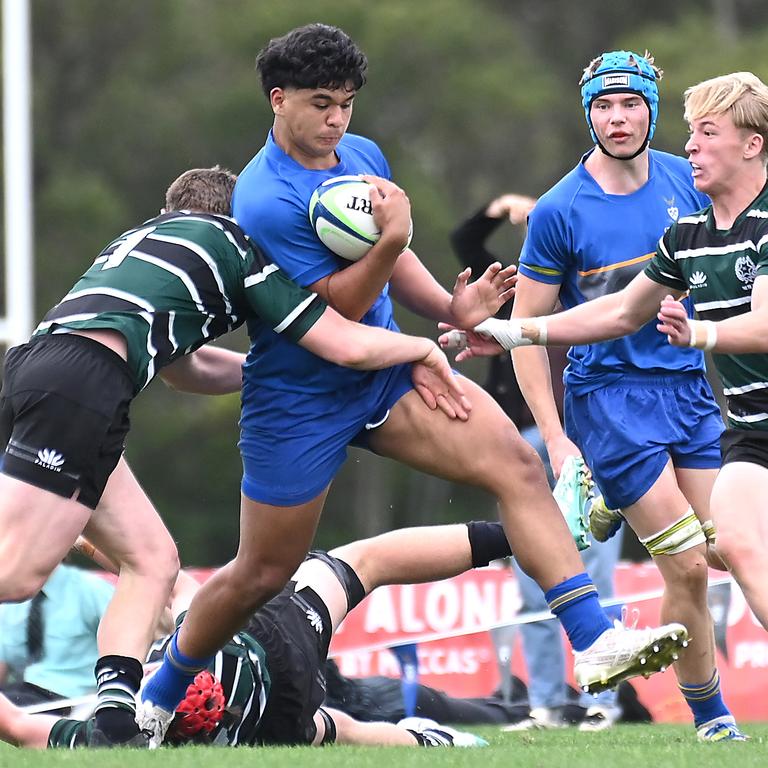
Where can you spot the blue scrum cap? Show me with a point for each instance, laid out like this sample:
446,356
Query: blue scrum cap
622,72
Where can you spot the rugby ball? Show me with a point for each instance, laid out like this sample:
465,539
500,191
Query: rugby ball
341,215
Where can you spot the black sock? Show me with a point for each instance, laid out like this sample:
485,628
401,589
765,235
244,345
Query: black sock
117,679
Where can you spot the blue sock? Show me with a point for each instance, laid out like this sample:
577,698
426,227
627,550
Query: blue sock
706,701
168,686
575,602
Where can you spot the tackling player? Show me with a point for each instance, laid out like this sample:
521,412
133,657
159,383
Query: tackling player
150,300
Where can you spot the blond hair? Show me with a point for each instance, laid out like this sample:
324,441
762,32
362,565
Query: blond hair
206,190
742,95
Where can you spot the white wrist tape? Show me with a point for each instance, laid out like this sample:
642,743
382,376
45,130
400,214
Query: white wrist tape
508,333
455,339
703,334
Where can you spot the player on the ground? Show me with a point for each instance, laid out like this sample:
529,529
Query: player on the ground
720,256
311,76
271,672
641,413
154,295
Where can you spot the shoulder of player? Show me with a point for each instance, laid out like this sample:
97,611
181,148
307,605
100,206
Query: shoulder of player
556,203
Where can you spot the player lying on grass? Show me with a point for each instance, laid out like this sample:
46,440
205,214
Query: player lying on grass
270,674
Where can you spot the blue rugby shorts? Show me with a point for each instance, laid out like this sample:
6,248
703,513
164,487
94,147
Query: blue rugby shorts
628,431
293,443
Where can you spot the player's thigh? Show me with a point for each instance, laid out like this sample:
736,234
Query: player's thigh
126,525
274,539
660,506
37,527
738,503
319,575
485,450
696,485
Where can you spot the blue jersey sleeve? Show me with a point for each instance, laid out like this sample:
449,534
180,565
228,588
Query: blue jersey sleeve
271,203
545,249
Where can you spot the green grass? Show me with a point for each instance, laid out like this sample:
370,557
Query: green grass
628,746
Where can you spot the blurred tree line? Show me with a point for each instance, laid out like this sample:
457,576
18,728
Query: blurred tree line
467,98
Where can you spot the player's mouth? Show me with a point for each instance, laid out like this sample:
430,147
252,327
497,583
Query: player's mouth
619,136
695,169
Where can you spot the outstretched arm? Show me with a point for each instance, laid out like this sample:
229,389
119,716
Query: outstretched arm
609,317
363,347
742,334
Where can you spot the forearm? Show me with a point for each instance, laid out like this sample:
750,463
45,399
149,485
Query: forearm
602,319
534,376
363,347
414,287
352,291
208,371
740,335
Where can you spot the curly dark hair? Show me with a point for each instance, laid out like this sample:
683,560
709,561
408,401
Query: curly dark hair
312,56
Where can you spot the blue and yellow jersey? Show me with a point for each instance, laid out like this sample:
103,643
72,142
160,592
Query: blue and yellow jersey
591,243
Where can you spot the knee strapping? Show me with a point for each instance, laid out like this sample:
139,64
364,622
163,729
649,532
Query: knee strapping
487,542
683,534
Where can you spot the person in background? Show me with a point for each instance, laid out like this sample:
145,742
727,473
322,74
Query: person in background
48,645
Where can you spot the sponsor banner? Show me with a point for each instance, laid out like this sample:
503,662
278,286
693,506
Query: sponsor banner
450,620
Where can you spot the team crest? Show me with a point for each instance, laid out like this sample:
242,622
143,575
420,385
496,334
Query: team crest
746,271
672,209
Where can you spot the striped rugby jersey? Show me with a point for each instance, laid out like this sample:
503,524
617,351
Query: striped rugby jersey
719,268
242,670
176,282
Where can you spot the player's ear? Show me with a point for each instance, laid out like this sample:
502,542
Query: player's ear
754,145
277,100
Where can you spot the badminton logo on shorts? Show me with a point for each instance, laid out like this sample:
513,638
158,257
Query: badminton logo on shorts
49,459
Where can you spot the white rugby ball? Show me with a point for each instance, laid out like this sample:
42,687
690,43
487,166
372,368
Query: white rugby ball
341,215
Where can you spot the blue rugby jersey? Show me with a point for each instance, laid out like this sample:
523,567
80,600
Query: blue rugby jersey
591,243
270,203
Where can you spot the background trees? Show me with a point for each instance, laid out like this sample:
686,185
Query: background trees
468,98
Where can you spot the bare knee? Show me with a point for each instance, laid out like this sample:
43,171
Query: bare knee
687,572
511,463
17,586
255,584
739,553
158,562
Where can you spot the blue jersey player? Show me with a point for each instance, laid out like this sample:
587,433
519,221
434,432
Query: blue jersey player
640,411
299,414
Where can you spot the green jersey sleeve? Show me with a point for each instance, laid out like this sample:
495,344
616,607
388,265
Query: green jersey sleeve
663,268
279,302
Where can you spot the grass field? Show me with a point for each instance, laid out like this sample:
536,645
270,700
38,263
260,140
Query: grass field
628,746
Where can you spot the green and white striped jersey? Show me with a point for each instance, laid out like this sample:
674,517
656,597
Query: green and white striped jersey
176,282
240,667
719,268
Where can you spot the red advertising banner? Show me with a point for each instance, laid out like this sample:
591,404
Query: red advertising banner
450,620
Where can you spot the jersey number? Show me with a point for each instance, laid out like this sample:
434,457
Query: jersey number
115,259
